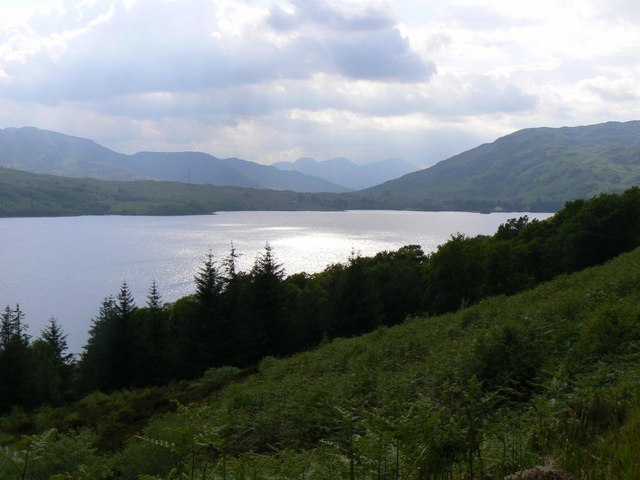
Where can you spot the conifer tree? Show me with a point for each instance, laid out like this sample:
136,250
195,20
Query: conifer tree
107,361
356,308
52,365
124,342
227,342
266,301
97,359
203,333
154,299
15,372
230,270
208,282
153,353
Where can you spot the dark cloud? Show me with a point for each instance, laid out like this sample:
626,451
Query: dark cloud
365,18
382,55
361,44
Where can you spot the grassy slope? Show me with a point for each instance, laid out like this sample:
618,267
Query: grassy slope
558,368
577,339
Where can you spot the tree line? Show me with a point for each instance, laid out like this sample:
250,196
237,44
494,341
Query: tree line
237,318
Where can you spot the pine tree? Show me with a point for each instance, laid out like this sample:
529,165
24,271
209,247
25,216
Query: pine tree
15,371
228,342
96,364
266,303
52,365
208,283
202,332
230,265
153,353
108,359
154,299
125,339
125,304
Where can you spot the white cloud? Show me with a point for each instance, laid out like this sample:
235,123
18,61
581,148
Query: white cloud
269,79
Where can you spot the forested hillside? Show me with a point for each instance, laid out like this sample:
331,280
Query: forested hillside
536,169
503,384
24,194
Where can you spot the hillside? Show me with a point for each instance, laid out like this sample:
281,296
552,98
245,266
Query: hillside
24,194
343,171
535,169
548,376
530,170
41,151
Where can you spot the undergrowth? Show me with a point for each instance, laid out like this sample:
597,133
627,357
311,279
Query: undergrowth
549,376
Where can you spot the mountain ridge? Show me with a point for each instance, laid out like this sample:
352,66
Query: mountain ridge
534,169
528,168
47,152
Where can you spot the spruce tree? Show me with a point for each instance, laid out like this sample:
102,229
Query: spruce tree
208,283
154,299
231,312
96,363
15,371
52,365
154,352
125,337
266,301
107,361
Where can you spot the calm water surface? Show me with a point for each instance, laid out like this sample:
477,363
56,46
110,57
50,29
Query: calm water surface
65,267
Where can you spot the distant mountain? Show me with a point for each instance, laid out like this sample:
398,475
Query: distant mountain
42,151
344,172
531,169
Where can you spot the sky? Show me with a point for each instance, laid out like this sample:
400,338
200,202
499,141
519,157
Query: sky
274,80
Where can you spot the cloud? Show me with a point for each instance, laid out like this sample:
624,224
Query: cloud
361,16
273,78
613,90
155,46
360,43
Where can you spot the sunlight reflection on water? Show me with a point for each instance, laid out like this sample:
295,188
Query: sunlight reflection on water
65,267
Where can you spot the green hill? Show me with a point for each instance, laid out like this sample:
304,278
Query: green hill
549,376
29,194
536,169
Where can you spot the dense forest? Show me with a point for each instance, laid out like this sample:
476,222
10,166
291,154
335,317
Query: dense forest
235,320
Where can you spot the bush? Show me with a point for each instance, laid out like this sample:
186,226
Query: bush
507,359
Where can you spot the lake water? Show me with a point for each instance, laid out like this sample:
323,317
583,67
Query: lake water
65,267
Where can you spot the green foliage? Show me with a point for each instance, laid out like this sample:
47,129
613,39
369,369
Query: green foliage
52,366
507,360
53,455
15,361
